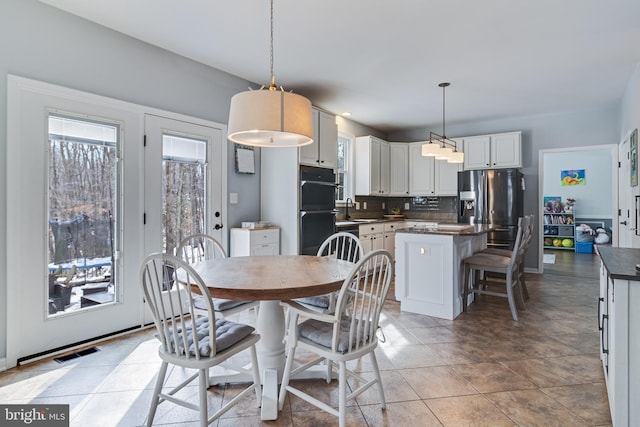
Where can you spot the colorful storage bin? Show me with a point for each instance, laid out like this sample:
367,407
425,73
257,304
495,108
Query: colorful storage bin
584,247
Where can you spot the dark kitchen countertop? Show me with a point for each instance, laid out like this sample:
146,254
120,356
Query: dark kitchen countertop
450,229
620,262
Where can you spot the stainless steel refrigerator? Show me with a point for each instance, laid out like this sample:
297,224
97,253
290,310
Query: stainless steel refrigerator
493,196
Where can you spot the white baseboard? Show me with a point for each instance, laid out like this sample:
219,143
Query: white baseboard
3,364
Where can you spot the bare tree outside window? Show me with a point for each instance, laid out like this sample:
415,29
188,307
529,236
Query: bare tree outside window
82,197
183,189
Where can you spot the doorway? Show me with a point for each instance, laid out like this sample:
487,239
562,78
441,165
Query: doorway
596,200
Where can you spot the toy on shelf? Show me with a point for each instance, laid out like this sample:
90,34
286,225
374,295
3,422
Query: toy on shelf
568,206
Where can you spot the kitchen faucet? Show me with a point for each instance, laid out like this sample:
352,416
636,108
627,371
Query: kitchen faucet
346,207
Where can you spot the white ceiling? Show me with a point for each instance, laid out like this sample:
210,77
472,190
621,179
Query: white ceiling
383,60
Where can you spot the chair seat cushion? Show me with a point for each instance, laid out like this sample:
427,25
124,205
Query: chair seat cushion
227,334
488,261
219,304
322,301
497,251
321,333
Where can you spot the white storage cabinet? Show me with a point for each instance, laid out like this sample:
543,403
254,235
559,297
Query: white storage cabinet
430,177
618,318
255,242
399,169
501,150
372,166
323,151
390,236
371,236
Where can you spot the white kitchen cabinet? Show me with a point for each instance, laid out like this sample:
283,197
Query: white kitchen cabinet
255,242
371,236
430,177
323,151
619,335
421,172
372,166
399,169
390,236
502,150
446,178
429,271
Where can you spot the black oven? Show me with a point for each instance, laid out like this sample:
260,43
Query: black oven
317,207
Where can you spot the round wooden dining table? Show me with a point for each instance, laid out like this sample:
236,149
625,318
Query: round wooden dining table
270,279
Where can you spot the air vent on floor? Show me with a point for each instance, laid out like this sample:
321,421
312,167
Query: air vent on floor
77,354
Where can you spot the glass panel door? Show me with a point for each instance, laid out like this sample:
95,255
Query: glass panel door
83,190
71,216
185,182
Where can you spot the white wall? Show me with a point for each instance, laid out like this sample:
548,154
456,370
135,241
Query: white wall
630,110
594,199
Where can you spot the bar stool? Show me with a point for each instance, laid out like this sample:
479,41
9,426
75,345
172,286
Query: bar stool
507,252
477,264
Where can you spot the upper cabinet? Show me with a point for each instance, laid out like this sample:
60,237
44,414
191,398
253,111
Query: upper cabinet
446,178
501,150
399,169
323,151
421,177
431,177
372,166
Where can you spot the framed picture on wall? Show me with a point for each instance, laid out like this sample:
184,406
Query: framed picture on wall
245,162
633,157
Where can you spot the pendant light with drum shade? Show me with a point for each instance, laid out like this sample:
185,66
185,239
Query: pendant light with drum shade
439,146
271,117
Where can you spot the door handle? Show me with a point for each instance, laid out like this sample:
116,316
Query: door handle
218,226
623,223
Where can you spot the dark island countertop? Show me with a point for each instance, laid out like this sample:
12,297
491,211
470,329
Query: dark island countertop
620,262
450,229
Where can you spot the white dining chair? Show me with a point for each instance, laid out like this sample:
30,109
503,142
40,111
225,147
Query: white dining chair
341,245
200,247
347,334
192,342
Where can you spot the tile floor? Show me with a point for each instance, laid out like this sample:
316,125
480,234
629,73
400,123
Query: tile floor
482,369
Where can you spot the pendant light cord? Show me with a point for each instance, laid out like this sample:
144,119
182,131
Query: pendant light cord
272,86
444,134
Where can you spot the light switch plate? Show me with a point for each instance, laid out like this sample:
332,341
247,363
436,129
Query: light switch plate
233,198
406,206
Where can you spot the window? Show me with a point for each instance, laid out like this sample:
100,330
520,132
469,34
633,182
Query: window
345,168
183,188
83,209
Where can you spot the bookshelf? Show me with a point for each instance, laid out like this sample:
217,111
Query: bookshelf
559,226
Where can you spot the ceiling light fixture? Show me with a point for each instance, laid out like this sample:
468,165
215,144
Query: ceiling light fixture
439,146
272,117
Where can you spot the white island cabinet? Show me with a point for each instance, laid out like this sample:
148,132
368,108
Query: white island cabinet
618,322
428,267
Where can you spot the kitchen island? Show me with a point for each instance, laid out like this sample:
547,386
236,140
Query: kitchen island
618,319
428,266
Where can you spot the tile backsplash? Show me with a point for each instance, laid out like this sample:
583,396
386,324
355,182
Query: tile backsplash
431,208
